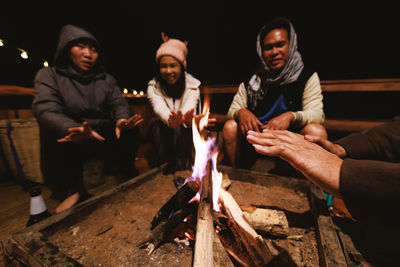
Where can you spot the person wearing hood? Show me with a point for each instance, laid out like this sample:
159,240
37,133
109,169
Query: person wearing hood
81,115
174,95
282,95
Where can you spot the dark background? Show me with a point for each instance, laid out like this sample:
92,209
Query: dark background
339,40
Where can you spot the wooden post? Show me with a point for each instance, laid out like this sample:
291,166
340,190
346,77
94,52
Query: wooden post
203,250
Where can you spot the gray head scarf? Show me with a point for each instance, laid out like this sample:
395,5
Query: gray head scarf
290,72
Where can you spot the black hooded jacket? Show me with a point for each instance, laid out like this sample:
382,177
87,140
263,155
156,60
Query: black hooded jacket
64,98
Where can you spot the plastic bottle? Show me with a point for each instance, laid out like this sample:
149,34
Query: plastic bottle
38,210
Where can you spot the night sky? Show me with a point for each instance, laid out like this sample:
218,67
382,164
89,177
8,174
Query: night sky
337,40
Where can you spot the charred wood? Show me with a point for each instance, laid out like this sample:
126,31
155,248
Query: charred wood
168,229
176,202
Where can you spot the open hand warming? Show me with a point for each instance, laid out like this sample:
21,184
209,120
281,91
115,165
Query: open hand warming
319,165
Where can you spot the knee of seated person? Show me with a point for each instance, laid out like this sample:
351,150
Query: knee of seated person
315,129
230,129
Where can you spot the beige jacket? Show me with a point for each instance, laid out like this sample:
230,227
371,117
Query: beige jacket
163,104
312,112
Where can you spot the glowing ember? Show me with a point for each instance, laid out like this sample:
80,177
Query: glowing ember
205,150
189,236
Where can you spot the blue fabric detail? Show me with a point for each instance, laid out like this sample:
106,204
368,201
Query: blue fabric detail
278,108
329,199
15,155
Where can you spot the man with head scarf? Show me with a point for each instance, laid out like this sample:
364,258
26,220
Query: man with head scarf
281,95
81,114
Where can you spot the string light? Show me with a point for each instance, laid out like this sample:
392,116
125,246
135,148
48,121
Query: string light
133,93
24,54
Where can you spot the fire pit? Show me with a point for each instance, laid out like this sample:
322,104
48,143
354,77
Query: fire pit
206,222
108,228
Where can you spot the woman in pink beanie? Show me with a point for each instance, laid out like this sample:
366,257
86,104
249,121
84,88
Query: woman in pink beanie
174,95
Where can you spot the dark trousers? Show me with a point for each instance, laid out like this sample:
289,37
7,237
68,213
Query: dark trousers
170,144
62,163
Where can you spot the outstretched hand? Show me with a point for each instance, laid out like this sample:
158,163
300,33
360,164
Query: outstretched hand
248,121
281,122
188,117
316,163
175,119
126,124
80,133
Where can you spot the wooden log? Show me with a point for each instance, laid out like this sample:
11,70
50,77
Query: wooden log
267,221
221,258
203,253
165,231
203,250
176,202
37,251
256,251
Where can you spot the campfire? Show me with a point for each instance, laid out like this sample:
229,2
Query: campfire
204,214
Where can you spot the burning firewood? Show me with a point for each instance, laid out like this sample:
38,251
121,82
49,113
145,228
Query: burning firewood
242,243
238,237
267,221
168,229
167,223
203,253
221,257
176,202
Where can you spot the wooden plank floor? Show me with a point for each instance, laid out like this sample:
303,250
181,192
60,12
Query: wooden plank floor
15,201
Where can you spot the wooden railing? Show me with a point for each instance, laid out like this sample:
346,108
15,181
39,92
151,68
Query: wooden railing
335,93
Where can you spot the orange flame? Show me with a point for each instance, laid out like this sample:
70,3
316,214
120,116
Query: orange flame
216,179
205,150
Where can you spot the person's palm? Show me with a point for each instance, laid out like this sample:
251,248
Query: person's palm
80,133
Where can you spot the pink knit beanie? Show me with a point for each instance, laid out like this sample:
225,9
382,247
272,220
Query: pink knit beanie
174,48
